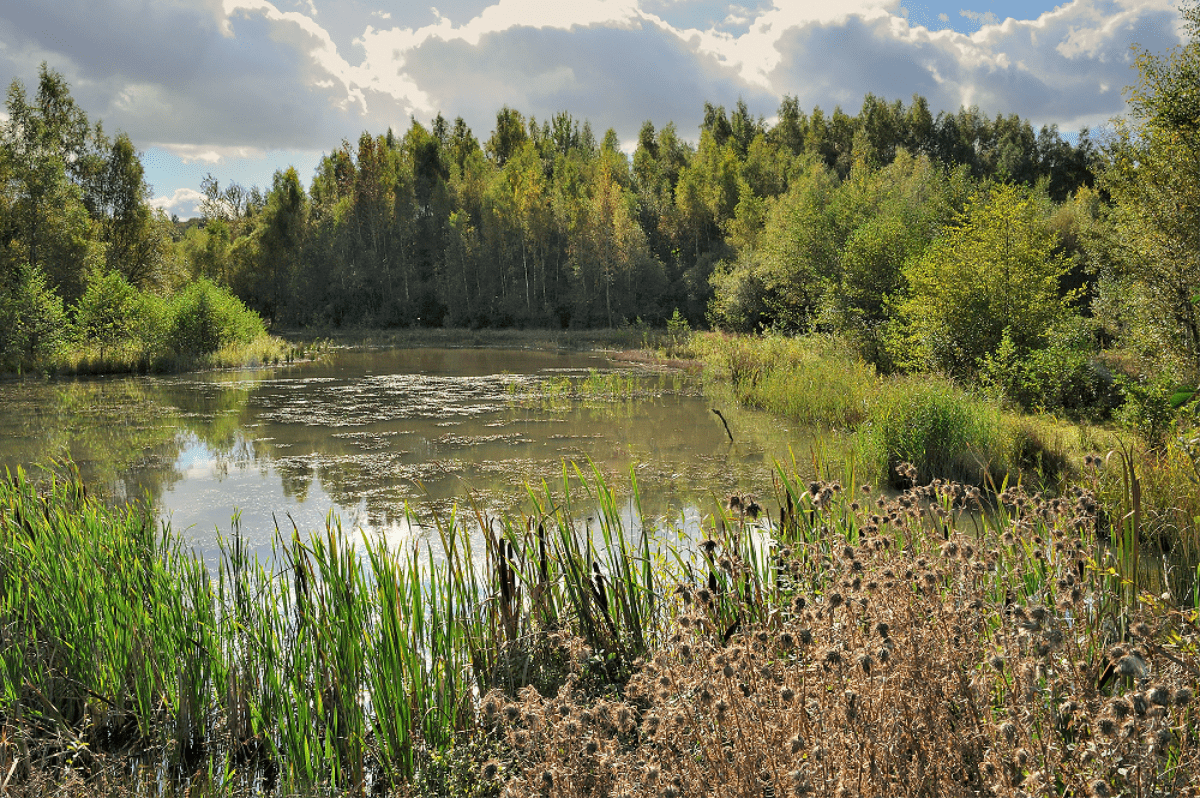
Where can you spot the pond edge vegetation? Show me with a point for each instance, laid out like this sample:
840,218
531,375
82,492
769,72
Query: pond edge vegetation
966,640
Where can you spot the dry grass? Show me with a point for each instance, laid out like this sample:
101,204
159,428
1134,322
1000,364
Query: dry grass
893,661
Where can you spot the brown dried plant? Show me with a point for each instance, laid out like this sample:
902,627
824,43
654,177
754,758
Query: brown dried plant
903,652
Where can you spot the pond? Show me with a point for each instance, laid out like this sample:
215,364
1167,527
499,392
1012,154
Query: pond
369,434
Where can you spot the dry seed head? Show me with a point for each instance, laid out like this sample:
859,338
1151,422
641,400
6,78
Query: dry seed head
1159,695
490,770
1107,726
796,743
787,694
1183,696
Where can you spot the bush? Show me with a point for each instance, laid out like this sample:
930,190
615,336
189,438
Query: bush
997,269
35,324
1065,375
106,314
1147,409
206,317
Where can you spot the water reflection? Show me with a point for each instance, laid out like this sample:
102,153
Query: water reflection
369,434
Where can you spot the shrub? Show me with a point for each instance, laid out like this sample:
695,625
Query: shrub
35,324
206,317
106,314
1147,409
1064,375
995,269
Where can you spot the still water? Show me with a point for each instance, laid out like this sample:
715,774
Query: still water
376,436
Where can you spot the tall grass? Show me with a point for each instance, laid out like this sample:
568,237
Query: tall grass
939,428
811,380
844,639
926,420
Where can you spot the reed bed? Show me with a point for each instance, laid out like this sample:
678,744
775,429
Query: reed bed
815,380
927,420
940,642
138,358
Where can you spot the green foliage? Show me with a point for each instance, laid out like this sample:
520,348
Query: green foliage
1147,407
35,323
107,313
1153,176
205,317
938,428
996,269
1063,376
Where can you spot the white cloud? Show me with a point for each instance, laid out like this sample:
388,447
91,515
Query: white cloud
1059,68
981,17
208,154
184,203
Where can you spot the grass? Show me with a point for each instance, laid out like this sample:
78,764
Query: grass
597,386
810,380
942,641
134,358
945,431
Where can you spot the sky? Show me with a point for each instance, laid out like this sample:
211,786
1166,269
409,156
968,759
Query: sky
241,88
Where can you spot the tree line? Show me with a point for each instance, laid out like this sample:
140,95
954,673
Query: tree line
544,225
